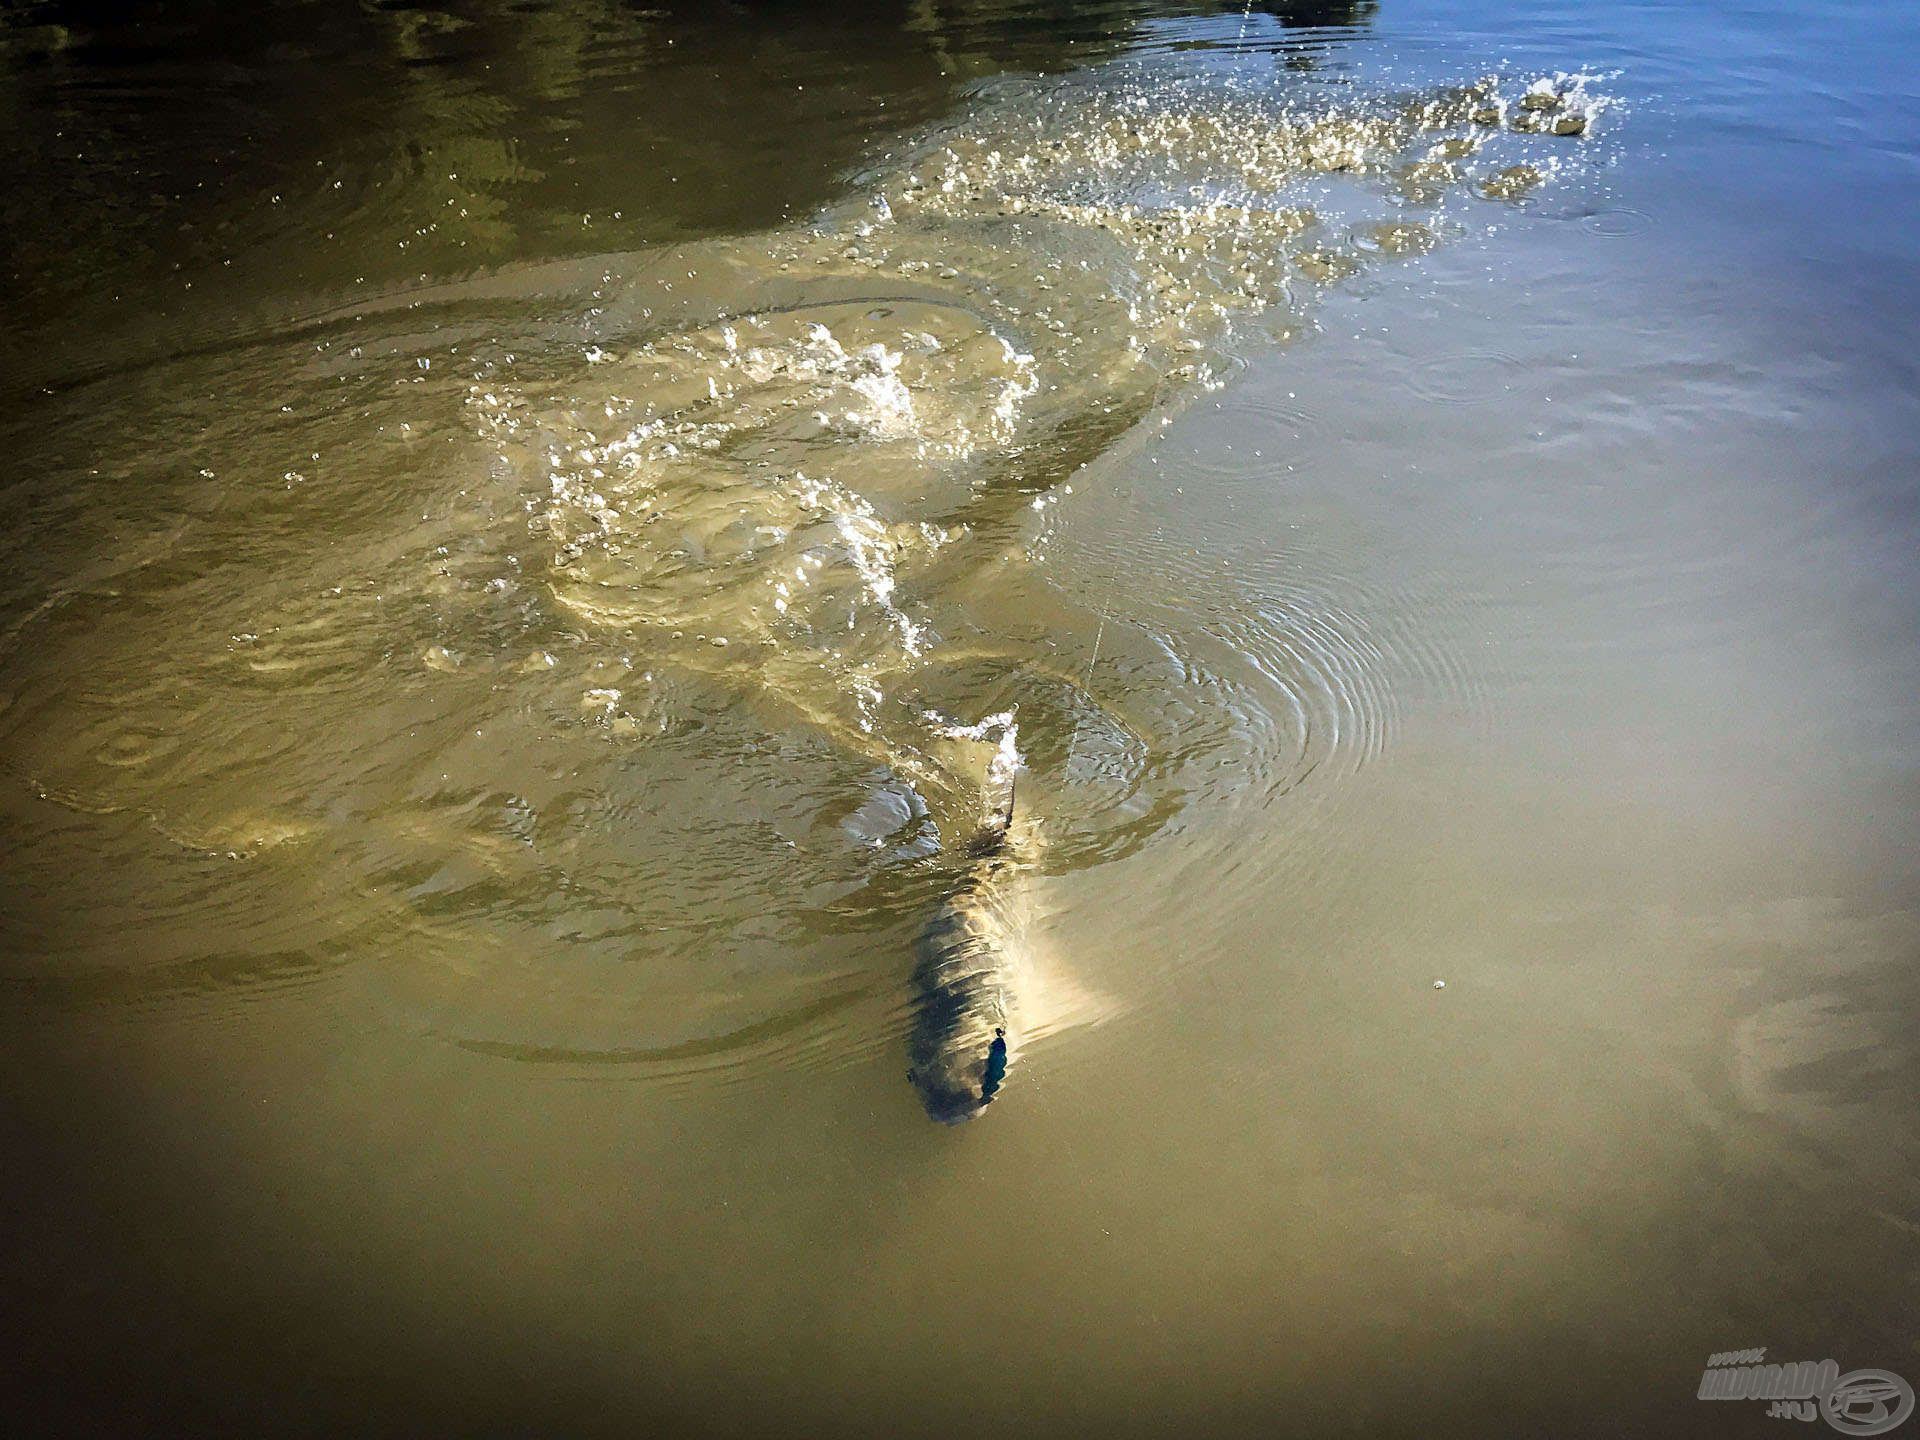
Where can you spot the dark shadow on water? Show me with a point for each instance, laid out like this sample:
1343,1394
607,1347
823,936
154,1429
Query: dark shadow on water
175,176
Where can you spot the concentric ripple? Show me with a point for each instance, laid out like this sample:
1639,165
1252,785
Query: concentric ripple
1473,378
1617,221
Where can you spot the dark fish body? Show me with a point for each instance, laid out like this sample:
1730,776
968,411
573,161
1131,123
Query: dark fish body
964,992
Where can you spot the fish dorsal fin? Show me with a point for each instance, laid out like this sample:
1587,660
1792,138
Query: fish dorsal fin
992,836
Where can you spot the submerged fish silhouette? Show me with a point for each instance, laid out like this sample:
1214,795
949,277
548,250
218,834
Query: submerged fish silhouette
966,1000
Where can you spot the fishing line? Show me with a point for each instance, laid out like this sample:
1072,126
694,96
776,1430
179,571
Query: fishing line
1086,681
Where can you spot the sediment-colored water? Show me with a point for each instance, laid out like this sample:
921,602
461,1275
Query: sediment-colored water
499,672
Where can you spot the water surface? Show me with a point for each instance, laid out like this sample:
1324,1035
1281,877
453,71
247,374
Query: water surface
518,516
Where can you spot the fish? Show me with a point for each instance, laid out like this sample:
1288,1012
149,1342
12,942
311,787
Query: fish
966,990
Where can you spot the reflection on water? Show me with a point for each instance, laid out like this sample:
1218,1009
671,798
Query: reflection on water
540,536
221,176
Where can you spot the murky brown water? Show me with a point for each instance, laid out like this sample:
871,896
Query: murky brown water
530,528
